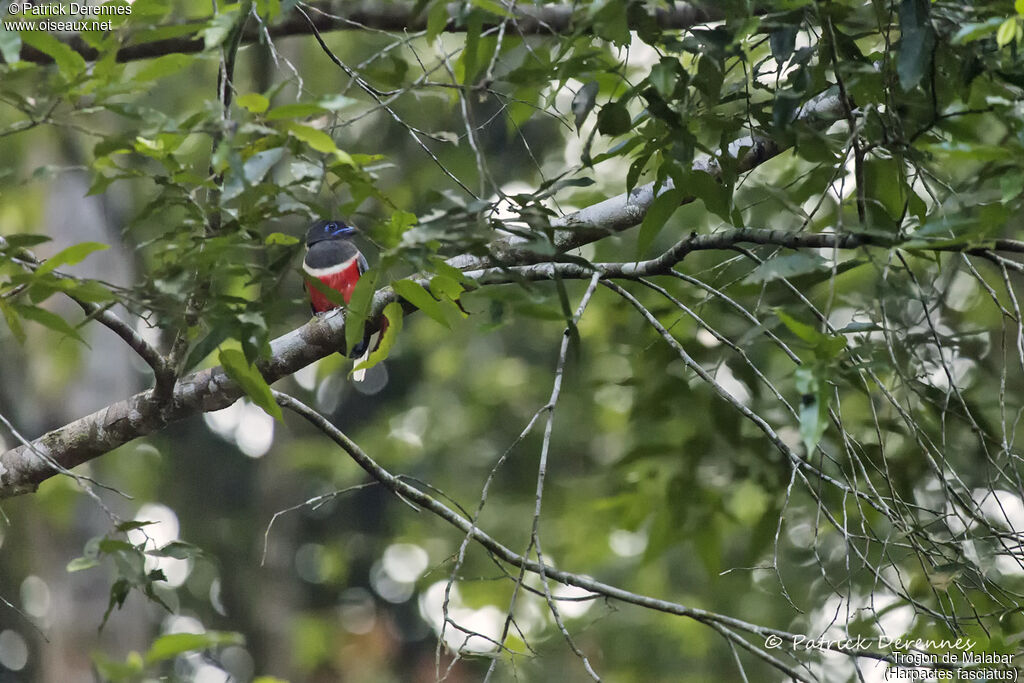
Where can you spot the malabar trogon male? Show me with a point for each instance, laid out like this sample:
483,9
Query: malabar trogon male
334,259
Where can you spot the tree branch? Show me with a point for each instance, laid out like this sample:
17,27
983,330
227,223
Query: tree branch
627,210
153,358
162,370
504,554
542,467
344,15
21,470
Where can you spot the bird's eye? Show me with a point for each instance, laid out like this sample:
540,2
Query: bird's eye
332,226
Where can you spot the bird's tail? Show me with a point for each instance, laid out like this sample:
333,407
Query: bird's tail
360,375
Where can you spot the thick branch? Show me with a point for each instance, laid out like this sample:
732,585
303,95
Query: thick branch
21,469
344,15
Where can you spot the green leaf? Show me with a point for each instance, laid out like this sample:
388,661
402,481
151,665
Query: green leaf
253,102
69,62
13,322
1007,32
218,28
113,545
390,235
437,19
42,288
802,330
23,240
664,76
708,80
295,110
268,9
787,266
359,308
333,295
826,347
1011,184
442,268
885,186
202,348
610,20
10,46
133,524
174,644
336,101
281,238
782,41
179,550
583,102
257,166
70,256
492,7
976,31
613,119
118,592
395,317
112,670
414,293
162,66
87,290
319,141
48,319
250,380
661,209
716,196
446,287
813,407
81,563
916,42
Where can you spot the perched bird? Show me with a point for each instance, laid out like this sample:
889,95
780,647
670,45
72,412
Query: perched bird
333,259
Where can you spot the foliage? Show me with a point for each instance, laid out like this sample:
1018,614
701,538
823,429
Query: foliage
792,400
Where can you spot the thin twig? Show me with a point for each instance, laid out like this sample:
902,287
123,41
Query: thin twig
503,553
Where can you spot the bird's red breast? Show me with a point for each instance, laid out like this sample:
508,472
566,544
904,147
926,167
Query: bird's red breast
341,278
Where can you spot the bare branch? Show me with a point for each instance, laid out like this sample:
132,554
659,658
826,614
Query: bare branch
427,502
542,467
343,15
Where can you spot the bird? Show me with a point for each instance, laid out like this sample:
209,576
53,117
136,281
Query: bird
333,259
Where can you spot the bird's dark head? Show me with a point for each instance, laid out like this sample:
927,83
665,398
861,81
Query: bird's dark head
328,230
